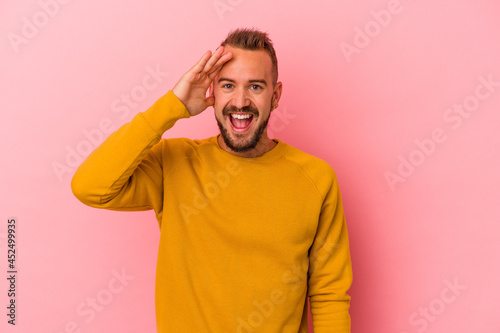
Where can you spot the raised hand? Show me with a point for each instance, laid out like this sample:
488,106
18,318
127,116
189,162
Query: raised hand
193,85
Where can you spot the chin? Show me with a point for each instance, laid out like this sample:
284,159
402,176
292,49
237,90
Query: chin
242,142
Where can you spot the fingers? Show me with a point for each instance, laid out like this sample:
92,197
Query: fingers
213,59
200,65
220,62
210,64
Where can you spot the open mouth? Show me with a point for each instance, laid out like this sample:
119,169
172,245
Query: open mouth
240,121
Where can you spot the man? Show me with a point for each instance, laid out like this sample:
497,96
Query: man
250,226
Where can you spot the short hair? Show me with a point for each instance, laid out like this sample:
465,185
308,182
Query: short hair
253,39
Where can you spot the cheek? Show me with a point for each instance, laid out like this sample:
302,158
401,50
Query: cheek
219,97
264,104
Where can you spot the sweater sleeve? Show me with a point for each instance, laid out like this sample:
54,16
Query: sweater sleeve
330,272
125,171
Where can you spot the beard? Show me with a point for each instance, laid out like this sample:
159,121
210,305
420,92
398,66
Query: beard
254,139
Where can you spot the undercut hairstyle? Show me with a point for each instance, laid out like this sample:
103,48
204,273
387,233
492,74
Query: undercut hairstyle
253,39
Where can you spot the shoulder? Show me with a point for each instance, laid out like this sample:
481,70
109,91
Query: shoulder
308,162
318,170
184,146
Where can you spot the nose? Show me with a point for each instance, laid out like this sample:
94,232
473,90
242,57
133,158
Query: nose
241,99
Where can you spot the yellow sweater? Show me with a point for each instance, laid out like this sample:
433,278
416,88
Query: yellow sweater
243,241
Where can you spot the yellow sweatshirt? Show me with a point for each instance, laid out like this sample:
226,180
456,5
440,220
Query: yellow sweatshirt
244,241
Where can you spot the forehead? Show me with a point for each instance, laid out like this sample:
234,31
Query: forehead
247,65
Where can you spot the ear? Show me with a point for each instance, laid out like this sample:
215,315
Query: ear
211,89
276,95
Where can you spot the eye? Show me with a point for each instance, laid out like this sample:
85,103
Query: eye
227,86
256,87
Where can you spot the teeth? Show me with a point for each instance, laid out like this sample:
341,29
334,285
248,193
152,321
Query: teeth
240,116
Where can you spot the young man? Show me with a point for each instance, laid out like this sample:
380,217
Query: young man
250,226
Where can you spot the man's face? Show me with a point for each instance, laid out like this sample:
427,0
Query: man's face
244,97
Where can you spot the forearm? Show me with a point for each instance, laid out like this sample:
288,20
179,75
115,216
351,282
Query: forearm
330,311
330,268
328,298
104,176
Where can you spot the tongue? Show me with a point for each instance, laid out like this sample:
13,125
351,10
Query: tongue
241,123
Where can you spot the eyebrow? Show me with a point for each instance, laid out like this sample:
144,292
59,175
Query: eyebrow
263,82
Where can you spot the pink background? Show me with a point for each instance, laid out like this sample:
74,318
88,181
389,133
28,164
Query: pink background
366,84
